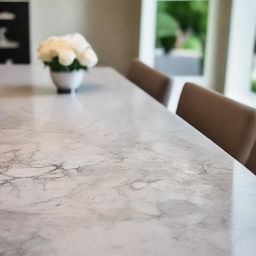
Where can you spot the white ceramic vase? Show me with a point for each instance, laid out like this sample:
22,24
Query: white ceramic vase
67,82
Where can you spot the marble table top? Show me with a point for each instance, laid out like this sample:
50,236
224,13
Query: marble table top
109,171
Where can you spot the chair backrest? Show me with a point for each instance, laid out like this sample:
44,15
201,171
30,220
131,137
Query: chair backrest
151,81
251,161
229,124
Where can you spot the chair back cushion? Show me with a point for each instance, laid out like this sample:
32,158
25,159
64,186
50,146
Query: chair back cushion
251,161
229,124
151,81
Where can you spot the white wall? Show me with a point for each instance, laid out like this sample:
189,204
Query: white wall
54,17
112,26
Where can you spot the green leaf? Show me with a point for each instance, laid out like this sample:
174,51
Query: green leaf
193,43
166,25
55,66
254,86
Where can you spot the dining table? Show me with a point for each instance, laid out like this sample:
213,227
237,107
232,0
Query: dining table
108,170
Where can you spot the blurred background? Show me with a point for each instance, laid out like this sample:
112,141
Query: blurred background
210,42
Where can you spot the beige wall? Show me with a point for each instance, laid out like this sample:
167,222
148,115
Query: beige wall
112,26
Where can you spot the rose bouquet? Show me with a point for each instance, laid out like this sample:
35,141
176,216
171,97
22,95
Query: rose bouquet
67,57
67,53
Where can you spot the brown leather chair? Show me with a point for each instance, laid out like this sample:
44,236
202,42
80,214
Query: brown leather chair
251,161
151,81
229,124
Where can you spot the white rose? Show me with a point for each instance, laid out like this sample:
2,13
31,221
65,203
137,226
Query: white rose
88,58
45,53
47,49
68,48
66,57
44,56
77,42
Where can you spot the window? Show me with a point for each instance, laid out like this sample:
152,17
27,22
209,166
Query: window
181,28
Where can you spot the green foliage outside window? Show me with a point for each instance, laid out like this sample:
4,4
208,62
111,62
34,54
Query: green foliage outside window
253,83
253,86
186,17
167,29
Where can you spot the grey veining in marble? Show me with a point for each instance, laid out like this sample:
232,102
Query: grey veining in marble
109,171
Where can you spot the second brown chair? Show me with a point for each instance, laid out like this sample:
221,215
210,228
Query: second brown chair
251,161
151,81
229,124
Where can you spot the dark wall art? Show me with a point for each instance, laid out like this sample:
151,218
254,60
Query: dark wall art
14,32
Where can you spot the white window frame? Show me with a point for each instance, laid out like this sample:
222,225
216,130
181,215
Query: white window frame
240,53
147,31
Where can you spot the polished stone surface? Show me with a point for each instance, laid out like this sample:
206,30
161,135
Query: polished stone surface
110,171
